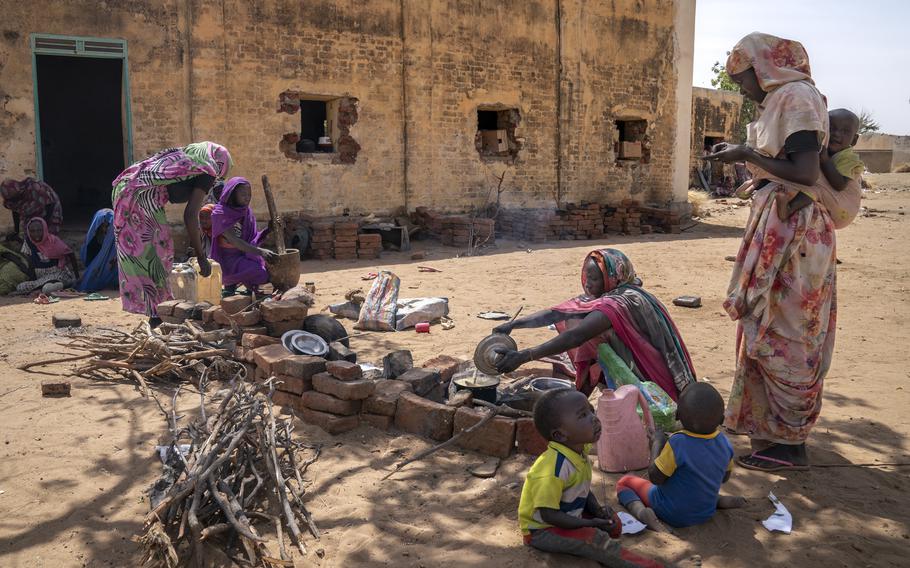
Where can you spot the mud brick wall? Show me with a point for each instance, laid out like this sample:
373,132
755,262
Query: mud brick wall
407,79
716,114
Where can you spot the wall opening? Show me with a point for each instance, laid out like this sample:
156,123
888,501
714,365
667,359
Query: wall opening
315,134
633,143
713,171
495,137
81,127
325,127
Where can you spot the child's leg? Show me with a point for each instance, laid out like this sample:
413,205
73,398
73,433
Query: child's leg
730,502
588,543
632,492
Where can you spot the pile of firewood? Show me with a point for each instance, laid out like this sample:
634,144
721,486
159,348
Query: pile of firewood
223,476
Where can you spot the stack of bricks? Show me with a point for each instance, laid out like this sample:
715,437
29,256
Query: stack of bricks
665,219
178,311
346,239
456,231
281,316
429,221
335,402
532,225
369,245
626,218
234,310
582,222
321,242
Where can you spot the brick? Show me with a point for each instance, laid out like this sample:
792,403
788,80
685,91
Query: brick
422,381
378,421
528,439
423,417
296,385
338,352
347,390
183,310
301,366
167,308
255,340
287,400
384,399
284,310
344,370
221,317
261,374
66,320
331,423
396,363
495,438
233,304
240,352
446,366
55,388
267,356
253,330
279,328
323,402
208,314
172,320
248,318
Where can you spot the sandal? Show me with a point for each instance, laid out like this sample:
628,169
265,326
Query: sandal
773,464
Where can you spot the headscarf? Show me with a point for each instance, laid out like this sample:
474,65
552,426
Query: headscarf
639,320
225,216
100,271
776,61
51,246
173,165
792,103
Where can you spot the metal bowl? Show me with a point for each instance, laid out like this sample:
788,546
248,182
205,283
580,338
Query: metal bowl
484,356
544,384
304,343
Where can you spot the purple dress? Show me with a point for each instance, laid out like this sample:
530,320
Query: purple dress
237,267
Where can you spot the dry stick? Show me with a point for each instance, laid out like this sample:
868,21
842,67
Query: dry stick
28,366
142,383
504,409
493,412
275,470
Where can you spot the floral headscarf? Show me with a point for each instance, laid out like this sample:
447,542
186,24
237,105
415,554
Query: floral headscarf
616,267
776,61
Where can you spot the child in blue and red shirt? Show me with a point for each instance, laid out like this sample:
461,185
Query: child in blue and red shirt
687,469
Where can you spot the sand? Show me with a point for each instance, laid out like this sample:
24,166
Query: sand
74,471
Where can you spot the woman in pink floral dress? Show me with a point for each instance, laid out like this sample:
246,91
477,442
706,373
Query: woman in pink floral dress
782,291
145,250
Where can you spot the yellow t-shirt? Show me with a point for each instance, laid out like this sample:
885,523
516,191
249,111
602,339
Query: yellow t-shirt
559,479
843,206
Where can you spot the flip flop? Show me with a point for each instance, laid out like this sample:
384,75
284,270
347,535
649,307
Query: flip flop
776,464
44,300
95,297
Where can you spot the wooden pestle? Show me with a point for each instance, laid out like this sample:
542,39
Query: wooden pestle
275,220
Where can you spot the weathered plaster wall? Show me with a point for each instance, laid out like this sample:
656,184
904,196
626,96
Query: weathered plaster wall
419,70
898,145
715,113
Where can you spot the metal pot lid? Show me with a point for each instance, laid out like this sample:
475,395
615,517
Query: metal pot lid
485,358
304,343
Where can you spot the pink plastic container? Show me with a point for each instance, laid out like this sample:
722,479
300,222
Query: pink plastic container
623,444
422,327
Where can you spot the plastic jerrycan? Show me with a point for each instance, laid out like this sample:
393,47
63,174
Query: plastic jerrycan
182,282
208,288
623,444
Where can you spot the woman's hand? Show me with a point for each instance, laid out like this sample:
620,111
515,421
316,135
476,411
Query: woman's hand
504,329
268,255
205,267
509,360
727,153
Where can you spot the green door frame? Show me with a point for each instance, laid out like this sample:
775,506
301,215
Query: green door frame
81,46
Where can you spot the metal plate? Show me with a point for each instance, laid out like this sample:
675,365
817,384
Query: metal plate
304,343
485,358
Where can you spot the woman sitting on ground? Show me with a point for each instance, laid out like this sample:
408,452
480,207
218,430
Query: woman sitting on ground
52,262
235,240
615,310
99,254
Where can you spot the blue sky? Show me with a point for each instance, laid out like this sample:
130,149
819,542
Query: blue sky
859,50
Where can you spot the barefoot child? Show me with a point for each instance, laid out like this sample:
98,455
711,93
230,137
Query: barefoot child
841,168
558,512
687,470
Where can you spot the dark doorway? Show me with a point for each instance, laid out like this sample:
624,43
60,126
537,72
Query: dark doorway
313,122
80,110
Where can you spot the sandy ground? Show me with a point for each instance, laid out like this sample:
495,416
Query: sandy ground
74,471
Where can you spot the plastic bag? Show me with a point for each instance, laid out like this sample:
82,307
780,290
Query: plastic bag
662,407
415,310
380,305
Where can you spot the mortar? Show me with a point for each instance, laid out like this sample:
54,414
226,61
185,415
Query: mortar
284,272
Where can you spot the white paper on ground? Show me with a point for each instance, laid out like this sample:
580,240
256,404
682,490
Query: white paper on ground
163,451
781,520
630,525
